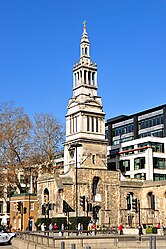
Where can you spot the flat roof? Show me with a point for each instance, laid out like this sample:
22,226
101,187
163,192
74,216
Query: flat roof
125,117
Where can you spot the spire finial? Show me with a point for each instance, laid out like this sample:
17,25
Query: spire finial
84,26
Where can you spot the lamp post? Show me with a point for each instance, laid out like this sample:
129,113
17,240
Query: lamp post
29,199
75,146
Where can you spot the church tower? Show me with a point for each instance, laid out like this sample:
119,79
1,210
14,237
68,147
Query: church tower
85,174
85,124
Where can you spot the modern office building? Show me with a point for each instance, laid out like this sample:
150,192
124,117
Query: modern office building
137,144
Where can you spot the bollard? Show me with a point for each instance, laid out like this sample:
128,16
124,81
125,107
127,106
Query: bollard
154,242
62,245
73,246
150,241
88,247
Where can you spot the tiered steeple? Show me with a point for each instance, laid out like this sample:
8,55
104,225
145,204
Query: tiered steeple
85,117
84,44
85,72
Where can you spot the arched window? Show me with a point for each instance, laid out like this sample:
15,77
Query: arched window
151,200
129,199
95,185
46,196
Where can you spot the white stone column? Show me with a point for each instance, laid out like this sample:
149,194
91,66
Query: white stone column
80,122
86,77
149,164
95,79
91,78
132,167
74,80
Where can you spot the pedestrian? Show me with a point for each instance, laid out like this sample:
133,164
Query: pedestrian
90,228
55,226
120,229
140,232
62,229
93,229
43,227
50,227
81,228
158,226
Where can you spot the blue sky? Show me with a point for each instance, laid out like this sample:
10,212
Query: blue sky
39,45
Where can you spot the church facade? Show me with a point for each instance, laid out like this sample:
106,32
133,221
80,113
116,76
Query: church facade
86,184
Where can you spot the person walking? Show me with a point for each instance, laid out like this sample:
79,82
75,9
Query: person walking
43,227
140,232
120,229
62,229
50,227
55,226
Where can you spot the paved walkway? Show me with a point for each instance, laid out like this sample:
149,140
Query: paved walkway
5,247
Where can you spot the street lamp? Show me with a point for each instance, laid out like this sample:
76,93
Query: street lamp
75,146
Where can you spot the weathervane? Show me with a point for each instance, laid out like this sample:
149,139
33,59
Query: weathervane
84,26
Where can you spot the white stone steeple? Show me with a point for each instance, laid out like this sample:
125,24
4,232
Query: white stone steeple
84,72
85,117
85,46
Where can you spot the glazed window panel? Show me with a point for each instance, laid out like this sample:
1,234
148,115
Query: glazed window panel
140,176
159,163
139,163
124,165
151,122
14,207
123,129
128,148
31,205
156,133
159,177
157,147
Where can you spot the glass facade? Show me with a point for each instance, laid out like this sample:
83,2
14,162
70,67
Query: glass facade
149,122
112,166
113,153
140,176
156,133
159,177
122,130
139,163
159,163
125,165
156,147
122,140
127,149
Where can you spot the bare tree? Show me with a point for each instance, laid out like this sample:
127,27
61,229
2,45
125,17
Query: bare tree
24,145
15,136
48,136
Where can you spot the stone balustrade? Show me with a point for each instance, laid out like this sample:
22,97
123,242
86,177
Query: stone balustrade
101,241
